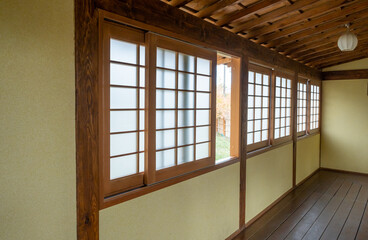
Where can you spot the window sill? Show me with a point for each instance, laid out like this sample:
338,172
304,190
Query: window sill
125,196
307,135
266,149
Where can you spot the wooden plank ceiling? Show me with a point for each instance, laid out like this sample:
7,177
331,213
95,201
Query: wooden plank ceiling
304,30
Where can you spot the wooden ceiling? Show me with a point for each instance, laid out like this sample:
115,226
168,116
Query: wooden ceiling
304,30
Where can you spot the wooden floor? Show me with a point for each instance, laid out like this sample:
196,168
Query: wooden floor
329,205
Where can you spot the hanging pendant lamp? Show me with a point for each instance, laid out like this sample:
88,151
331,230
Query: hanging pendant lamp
347,41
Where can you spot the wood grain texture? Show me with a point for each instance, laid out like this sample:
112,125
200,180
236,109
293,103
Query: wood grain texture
160,16
346,74
87,165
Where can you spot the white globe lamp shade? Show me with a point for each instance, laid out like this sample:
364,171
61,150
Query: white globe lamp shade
347,42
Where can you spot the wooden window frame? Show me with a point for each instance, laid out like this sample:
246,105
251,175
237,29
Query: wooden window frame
305,132
319,84
233,62
153,42
150,175
281,74
264,71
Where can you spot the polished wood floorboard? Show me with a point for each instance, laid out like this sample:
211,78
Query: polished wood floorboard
329,205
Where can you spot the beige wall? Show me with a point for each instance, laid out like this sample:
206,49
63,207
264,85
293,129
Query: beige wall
307,157
345,121
37,170
205,207
269,176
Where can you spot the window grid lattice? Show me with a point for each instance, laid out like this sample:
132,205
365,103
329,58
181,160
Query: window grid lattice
183,89
282,107
258,107
302,107
127,106
314,107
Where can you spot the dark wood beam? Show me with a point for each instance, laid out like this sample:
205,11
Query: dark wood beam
208,11
285,22
346,74
330,17
165,19
318,29
271,16
246,11
178,3
338,59
86,87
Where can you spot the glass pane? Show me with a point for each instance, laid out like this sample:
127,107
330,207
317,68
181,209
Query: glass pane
141,162
258,78
203,100
185,154
121,121
165,79
123,166
282,132
186,81
251,89
250,76
258,90
250,102
277,112
185,99
265,124
165,159
165,119
257,125
121,74
264,135
265,80
278,83
165,58
265,101
141,141
165,139
287,131
250,114
142,55
258,102
142,77
165,99
123,143
141,98
123,51
250,138
203,66
185,118
186,63
202,134
265,91
250,126
283,82
257,113
203,83
282,122
141,120
124,98
185,136
203,117
265,113
202,151
277,123
257,137
288,83
277,133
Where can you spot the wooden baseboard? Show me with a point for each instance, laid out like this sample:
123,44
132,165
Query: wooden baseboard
343,171
308,177
250,222
234,234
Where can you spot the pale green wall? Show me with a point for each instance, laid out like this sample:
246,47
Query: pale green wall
269,176
307,156
205,207
345,121
37,170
